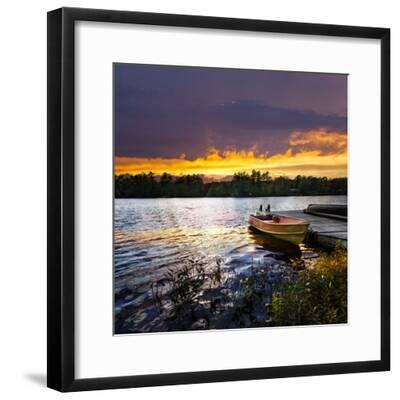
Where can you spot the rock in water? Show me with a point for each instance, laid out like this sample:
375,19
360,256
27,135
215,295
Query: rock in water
201,323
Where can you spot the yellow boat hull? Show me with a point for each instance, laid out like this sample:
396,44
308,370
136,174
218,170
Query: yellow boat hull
290,229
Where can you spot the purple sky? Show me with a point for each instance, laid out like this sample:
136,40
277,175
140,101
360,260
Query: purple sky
163,111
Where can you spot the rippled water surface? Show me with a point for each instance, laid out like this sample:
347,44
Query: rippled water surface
153,236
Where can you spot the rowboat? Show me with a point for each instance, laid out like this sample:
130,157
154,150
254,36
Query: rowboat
291,229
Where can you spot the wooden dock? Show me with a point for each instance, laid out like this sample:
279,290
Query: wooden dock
324,231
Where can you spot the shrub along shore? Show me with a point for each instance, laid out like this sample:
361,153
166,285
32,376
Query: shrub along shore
317,296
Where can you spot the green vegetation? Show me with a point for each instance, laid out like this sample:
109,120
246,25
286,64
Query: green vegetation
201,296
318,296
242,185
186,286
191,297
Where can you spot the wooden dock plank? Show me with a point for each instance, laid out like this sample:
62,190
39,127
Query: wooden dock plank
323,231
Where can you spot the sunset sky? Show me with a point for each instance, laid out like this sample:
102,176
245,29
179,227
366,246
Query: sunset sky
211,121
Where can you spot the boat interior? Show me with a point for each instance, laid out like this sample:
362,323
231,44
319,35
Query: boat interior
280,219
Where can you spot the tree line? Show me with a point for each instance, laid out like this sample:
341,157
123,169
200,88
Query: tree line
243,184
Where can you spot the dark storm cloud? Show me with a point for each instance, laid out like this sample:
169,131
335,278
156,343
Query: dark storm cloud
254,115
268,127
169,111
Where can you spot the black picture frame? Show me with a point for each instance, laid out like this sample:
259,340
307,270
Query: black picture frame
61,193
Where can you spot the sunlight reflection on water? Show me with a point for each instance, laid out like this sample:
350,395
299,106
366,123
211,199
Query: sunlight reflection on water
154,235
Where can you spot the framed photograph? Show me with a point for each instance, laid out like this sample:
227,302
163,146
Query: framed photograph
218,199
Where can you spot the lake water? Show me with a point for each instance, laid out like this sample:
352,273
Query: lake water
153,236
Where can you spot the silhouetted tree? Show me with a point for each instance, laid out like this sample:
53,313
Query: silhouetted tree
241,185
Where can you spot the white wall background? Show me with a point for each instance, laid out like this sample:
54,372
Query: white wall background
23,198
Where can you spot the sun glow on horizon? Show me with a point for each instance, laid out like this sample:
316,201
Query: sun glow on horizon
313,153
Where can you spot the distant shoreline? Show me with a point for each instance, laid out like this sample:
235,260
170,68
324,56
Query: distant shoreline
233,197
256,184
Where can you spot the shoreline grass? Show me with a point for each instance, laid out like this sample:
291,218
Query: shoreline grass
200,296
318,296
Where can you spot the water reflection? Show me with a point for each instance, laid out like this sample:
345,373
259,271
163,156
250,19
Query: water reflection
271,243
154,236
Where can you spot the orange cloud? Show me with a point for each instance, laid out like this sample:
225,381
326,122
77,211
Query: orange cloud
325,142
316,153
